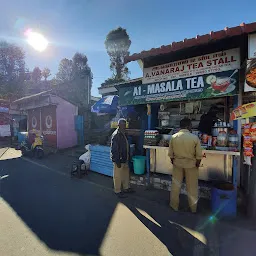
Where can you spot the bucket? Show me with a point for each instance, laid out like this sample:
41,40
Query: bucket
223,200
139,164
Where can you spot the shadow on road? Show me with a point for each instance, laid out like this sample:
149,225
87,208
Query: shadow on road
75,216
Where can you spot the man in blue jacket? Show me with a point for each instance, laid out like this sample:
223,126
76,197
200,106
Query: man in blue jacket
120,158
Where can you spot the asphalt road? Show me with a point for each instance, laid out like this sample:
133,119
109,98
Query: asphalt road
45,212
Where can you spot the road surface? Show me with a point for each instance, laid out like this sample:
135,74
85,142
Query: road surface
45,212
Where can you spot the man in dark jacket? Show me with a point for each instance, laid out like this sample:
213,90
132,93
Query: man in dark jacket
120,158
208,120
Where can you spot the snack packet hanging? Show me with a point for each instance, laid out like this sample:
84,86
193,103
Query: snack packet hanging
247,142
248,152
253,132
246,129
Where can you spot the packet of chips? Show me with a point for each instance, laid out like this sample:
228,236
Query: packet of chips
253,132
246,129
247,142
248,152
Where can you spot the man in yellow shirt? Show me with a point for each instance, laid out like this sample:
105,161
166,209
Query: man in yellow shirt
186,154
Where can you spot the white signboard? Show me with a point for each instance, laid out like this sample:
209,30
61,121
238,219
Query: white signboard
252,46
5,130
200,65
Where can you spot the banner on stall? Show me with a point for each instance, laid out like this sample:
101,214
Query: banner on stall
200,65
197,87
244,111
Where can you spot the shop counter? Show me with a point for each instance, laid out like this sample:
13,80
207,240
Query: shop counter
215,165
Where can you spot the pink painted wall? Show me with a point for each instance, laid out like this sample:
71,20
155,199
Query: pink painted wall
66,133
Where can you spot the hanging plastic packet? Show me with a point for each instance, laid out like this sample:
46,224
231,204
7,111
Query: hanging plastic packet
247,142
247,160
246,129
253,132
248,152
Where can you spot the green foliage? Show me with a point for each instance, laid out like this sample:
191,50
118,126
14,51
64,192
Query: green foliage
36,75
117,44
46,73
54,83
71,69
12,70
65,72
74,80
80,65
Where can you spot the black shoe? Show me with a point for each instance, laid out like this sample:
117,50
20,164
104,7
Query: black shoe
129,191
121,195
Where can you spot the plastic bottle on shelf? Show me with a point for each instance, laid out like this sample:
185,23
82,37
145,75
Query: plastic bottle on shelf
222,139
233,140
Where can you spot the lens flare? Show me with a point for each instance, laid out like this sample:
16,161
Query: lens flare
36,40
212,219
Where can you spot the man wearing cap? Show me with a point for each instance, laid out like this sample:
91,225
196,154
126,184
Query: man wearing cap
120,158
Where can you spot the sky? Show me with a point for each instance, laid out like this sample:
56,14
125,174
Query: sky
82,25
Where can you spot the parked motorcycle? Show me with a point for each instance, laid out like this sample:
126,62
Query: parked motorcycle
34,149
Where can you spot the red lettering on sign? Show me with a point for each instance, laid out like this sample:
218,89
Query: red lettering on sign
215,61
189,66
233,59
200,65
221,61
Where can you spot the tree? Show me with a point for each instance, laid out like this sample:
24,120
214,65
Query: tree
117,44
74,79
65,72
71,69
80,65
36,75
46,73
12,70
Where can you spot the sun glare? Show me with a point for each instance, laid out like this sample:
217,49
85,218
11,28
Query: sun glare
37,41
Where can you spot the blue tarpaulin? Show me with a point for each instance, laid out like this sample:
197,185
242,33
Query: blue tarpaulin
107,105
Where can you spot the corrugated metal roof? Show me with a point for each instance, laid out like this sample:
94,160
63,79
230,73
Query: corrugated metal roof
32,97
94,98
196,41
125,82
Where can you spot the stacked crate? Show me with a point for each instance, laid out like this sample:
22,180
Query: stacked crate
151,137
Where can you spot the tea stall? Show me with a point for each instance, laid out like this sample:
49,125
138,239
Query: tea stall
190,88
